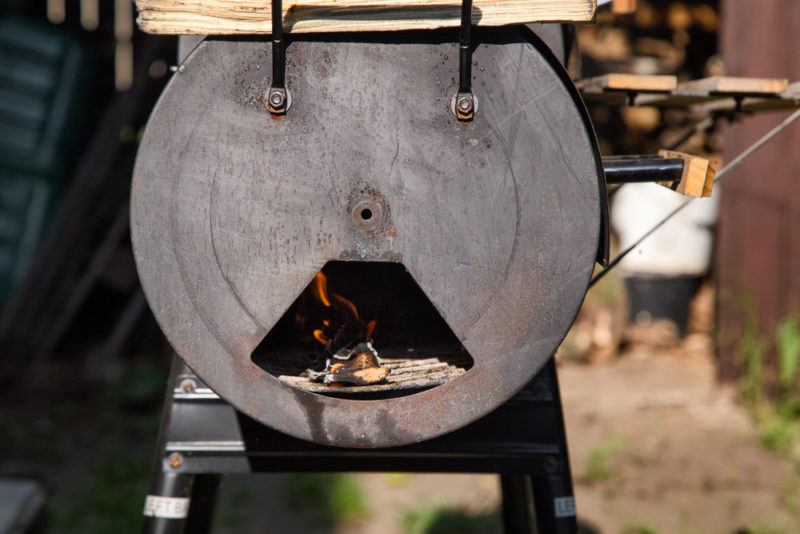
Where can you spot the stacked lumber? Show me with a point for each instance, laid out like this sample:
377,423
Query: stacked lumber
236,17
717,93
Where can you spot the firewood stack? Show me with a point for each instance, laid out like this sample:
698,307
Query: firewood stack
668,38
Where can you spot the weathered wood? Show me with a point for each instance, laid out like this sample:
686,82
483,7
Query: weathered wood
627,82
617,88
718,93
698,174
730,85
716,88
623,7
789,99
236,17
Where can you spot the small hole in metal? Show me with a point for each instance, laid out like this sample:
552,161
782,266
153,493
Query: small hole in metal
366,214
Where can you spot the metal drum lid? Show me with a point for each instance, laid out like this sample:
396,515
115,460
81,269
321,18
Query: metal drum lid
497,220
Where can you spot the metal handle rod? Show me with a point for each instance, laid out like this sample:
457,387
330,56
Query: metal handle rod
465,49
635,169
278,52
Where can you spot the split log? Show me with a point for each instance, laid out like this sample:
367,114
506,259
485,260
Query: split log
698,174
247,17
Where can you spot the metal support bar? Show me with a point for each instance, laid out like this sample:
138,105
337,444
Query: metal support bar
464,103
634,169
277,101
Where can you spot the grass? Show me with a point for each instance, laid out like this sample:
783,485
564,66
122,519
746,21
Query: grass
448,520
778,419
91,447
328,499
108,499
598,464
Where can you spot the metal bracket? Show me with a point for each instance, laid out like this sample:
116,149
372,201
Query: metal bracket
464,104
277,100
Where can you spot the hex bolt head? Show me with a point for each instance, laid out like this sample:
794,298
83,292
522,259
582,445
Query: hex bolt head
465,104
187,385
276,99
175,460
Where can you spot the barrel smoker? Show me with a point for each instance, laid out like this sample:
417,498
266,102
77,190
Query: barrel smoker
360,246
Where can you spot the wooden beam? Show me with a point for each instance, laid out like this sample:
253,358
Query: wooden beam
698,174
238,17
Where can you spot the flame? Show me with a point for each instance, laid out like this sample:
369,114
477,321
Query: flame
370,328
344,327
320,336
347,304
321,289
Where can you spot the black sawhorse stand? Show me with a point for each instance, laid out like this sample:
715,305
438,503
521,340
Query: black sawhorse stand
202,437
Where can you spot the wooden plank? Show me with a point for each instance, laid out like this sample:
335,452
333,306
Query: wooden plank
698,174
730,85
789,99
638,83
617,88
706,90
237,17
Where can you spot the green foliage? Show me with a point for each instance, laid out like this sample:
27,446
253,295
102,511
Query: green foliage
142,385
396,480
788,342
638,528
751,352
598,464
329,498
109,499
446,520
778,420
762,529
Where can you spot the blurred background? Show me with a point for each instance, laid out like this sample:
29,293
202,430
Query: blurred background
679,378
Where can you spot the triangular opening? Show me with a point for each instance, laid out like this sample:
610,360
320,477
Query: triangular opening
362,330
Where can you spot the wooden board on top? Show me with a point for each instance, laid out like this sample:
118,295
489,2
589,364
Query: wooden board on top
250,17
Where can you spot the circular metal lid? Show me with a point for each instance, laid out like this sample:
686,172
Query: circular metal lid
233,213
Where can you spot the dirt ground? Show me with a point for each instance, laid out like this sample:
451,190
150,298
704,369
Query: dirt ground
656,446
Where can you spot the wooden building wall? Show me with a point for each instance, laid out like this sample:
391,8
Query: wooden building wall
758,245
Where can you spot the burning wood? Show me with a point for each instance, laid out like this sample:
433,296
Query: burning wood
355,361
360,366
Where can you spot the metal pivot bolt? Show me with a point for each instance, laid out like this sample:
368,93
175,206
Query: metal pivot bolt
465,106
276,100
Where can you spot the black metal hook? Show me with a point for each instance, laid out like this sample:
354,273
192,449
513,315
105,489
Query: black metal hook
277,101
464,103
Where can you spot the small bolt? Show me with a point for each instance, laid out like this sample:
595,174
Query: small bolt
175,460
550,465
276,99
465,104
188,385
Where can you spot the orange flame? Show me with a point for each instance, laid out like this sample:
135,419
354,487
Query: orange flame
347,304
319,336
321,289
370,328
